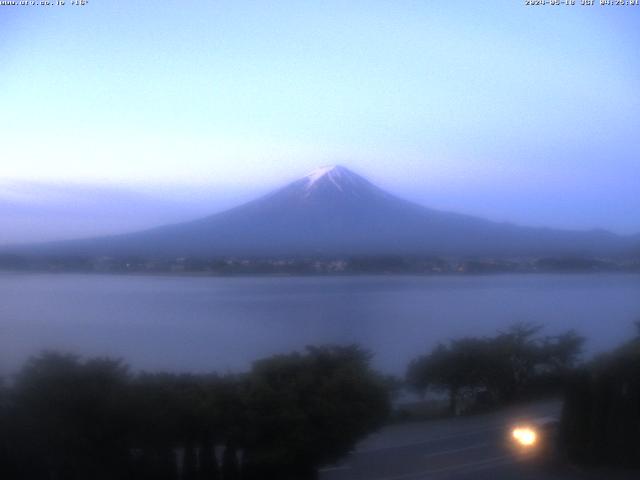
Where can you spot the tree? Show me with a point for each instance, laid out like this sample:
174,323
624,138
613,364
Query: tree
455,368
6,469
561,353
513,358
68,418
601,415
502,368
73,421
309,409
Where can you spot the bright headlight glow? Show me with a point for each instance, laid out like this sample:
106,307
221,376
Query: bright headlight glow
525,436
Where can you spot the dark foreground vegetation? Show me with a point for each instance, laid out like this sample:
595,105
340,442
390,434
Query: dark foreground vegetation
601,415
63,418
478,373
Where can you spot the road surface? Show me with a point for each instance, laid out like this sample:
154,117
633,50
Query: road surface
452,449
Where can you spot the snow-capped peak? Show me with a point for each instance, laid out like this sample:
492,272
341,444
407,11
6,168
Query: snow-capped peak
336,179
333,173
320,172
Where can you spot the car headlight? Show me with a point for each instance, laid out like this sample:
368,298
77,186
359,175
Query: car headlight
525,436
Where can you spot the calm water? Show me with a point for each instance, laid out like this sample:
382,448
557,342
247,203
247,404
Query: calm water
183,323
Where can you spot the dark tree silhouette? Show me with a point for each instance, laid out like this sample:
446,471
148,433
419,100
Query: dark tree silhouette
70,419
601,415
503,368
6,461
455,368
73,417
309,409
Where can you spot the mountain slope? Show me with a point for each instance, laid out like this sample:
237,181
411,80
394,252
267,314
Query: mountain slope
334,211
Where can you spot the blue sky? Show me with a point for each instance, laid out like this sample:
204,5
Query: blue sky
526,114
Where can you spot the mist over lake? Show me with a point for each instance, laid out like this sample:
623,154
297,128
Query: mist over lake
204,323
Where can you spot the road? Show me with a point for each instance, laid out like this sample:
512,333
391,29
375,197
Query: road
452,449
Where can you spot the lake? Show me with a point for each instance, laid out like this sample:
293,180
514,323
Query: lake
206,323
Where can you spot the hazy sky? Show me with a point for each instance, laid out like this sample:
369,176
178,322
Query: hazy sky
143,112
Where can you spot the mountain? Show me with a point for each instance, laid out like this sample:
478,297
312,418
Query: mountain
334,211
